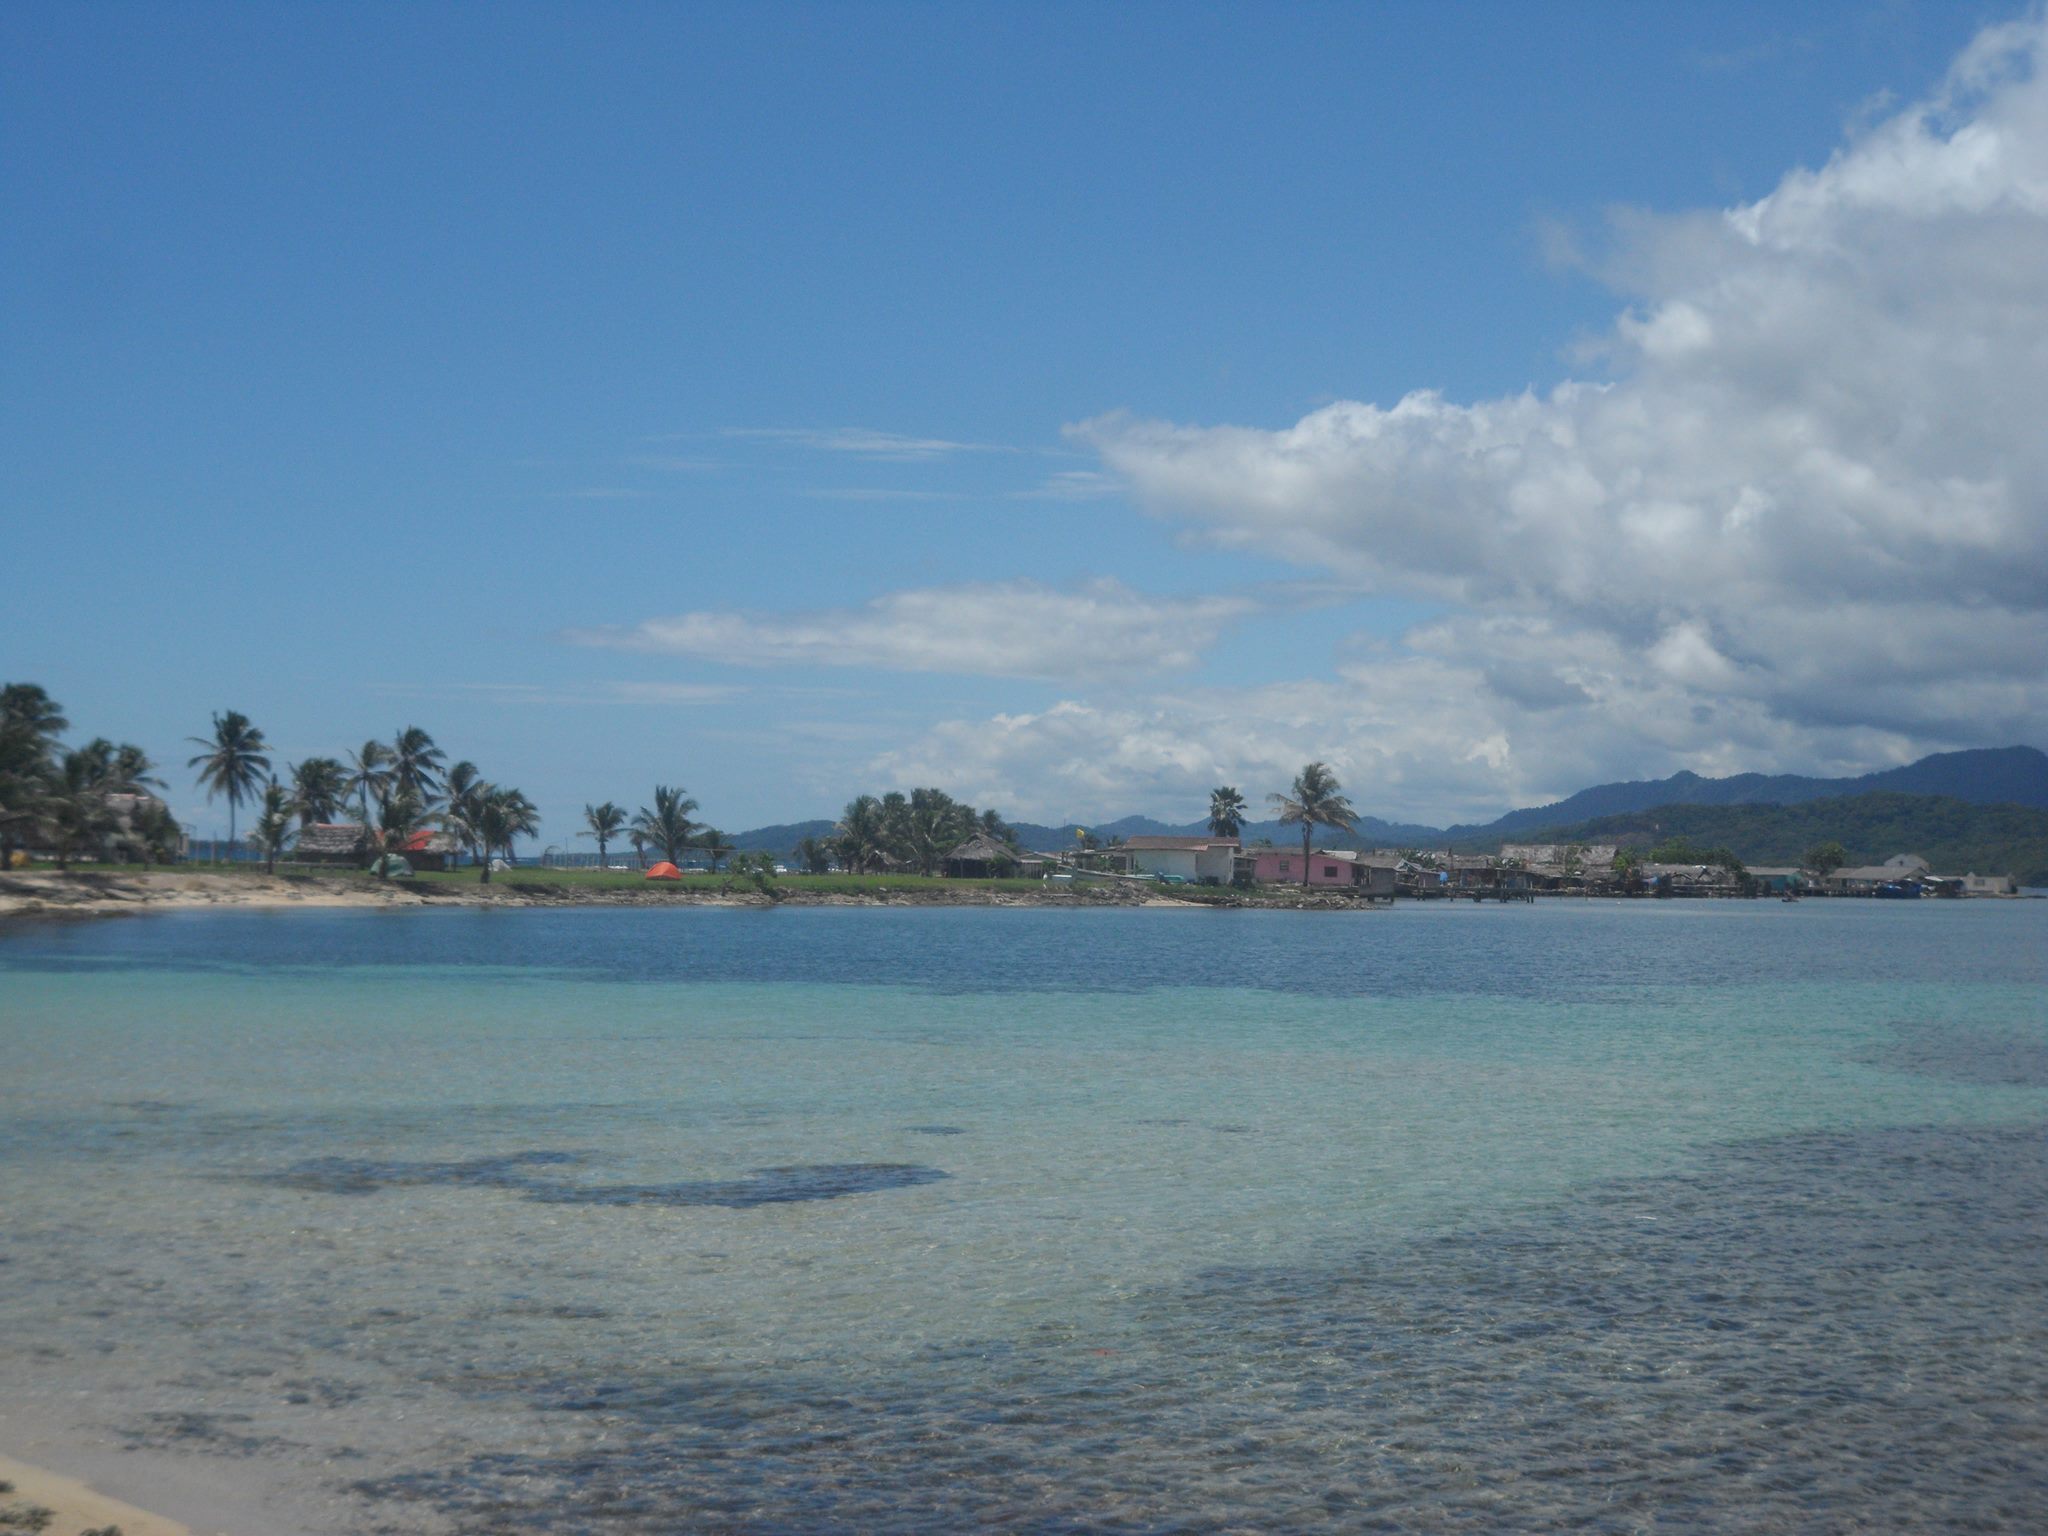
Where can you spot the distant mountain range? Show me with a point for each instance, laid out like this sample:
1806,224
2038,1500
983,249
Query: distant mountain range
2015,776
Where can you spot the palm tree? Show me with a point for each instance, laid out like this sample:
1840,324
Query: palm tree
604,822
859,834
273,824
479,822
713,842
1314,799
233,764
668,825
75,811
813,855
124,769
936,825
416,763
369,773
156,831
462,791
895,818
26,777
993,824
319,786
28,706
520,816
1226,811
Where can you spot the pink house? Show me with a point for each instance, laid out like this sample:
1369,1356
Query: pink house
1281,866
1374,876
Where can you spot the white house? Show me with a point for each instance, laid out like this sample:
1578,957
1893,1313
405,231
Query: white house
1188,858
1990,885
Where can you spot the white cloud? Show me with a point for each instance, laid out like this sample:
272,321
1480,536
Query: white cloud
1005,629
1072,485
577,693
1805,505
862,442
1443,729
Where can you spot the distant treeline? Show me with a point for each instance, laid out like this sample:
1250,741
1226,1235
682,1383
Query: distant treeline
1954,836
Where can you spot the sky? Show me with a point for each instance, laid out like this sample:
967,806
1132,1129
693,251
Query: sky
1073,407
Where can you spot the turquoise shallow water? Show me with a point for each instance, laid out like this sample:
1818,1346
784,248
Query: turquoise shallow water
1715,1216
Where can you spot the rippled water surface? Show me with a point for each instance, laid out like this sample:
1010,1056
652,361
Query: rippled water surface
1580,1216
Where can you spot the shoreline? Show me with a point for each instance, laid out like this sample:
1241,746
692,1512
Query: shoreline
74,1507
32,895
43,894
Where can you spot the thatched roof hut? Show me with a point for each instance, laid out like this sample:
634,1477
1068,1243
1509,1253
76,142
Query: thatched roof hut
343,842
981,857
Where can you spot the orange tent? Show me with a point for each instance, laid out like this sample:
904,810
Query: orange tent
664,871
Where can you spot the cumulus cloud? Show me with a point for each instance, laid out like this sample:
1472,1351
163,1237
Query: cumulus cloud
1001,629
1807,492
1465,719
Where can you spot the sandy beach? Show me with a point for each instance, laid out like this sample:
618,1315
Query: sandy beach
73,1509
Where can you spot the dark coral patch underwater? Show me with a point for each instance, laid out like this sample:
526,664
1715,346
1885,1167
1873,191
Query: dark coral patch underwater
782,1185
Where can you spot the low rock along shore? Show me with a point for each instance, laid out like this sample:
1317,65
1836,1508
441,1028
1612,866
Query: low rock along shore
103,893
43,1502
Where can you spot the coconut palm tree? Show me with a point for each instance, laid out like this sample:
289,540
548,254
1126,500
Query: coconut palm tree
1313,800
123,769
319,786
30,723
75,814
493,817
478,820
155,830
604,822
416,763
233,764
369,775
713,842
273,827
26,777
462,791
400,814
28,706
859,834
937,824
668,825
814,855
1226,811
520,815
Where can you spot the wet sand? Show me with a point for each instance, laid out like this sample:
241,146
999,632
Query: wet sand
74,1508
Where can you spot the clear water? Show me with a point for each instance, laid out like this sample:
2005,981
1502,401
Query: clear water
1580,1216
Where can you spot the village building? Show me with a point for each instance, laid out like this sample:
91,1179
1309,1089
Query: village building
1690,879
343,842
1559,855
1778,879
1990,885
427,849
1869,879
1199,860
982,857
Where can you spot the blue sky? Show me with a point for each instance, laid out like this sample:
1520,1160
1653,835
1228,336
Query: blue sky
794,401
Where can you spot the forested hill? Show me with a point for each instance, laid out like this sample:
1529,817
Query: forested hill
1986,776
1952,835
